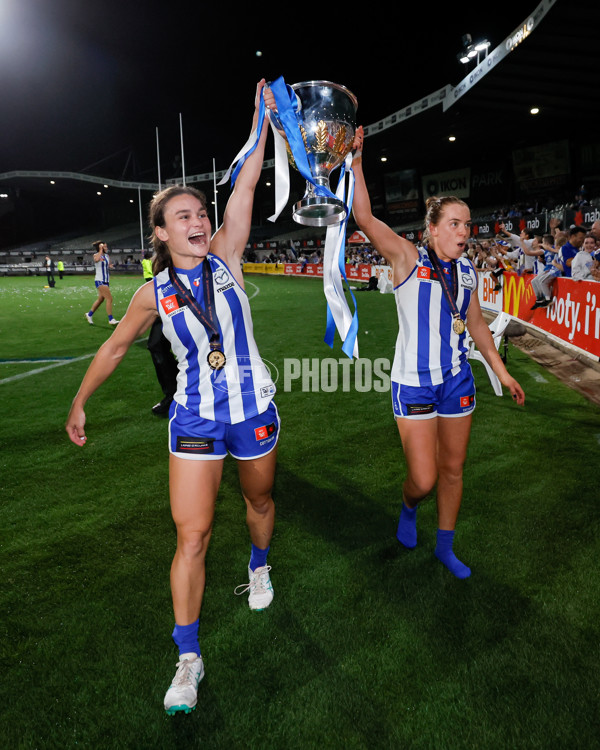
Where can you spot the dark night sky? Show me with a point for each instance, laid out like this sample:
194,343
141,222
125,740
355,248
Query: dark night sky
84,85
83,81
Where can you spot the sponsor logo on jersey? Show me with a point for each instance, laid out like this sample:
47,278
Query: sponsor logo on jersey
414,409
221,277
262,433
468,281
195,445
226,287
170,304
197,282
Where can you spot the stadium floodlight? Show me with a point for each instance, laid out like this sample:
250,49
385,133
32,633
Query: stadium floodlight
470,50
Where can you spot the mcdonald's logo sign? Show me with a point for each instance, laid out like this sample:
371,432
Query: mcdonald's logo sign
517,294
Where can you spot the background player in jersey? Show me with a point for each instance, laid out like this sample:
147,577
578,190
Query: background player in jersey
433,390
165,364
215,411
102,264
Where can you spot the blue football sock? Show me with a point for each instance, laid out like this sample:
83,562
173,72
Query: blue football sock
407,526
444,554
110,317
186,638
258,558
90,313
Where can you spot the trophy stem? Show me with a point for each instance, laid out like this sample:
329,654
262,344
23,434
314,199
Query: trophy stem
318,211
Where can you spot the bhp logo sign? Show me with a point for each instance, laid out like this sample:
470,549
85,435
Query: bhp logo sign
489,295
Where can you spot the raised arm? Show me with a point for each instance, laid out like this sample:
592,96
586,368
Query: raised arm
230,240
399,252
140,315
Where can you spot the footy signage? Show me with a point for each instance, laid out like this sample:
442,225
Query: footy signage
573,317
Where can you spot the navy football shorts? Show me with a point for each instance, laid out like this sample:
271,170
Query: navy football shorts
195,438
453,398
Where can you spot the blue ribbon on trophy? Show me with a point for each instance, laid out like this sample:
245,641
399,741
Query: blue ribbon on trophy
288,108
316,121
249,147
334,270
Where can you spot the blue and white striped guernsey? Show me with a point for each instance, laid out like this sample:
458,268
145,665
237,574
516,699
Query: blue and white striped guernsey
102,269
427,349
243,388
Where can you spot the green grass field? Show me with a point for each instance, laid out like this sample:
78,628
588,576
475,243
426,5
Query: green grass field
366,645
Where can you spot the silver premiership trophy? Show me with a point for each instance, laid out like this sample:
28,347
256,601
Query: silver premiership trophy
326,115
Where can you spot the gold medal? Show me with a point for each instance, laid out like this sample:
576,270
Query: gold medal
458,326
216,359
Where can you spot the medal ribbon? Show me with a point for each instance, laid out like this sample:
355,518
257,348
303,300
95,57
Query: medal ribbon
449,294
208,316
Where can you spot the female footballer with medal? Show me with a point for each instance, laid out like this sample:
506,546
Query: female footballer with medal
433,392
224,398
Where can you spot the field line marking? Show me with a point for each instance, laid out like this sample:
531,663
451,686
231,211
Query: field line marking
54,364
257,290
30,360
537,376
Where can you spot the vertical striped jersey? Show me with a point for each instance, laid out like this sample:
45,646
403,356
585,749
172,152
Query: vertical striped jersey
243,388
102,269
428,351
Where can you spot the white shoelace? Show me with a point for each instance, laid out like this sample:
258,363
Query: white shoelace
256,582
184,673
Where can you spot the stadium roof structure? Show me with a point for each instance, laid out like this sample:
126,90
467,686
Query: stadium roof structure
548,58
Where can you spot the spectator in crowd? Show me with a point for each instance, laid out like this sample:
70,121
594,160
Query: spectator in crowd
525,243
569,250
584,264
543,282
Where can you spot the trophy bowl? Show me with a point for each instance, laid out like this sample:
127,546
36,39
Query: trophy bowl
327,120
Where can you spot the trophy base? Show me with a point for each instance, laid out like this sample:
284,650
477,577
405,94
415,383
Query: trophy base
319,212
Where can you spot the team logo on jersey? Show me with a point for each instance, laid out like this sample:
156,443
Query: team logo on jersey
424,272
466,401
171,305
262,433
